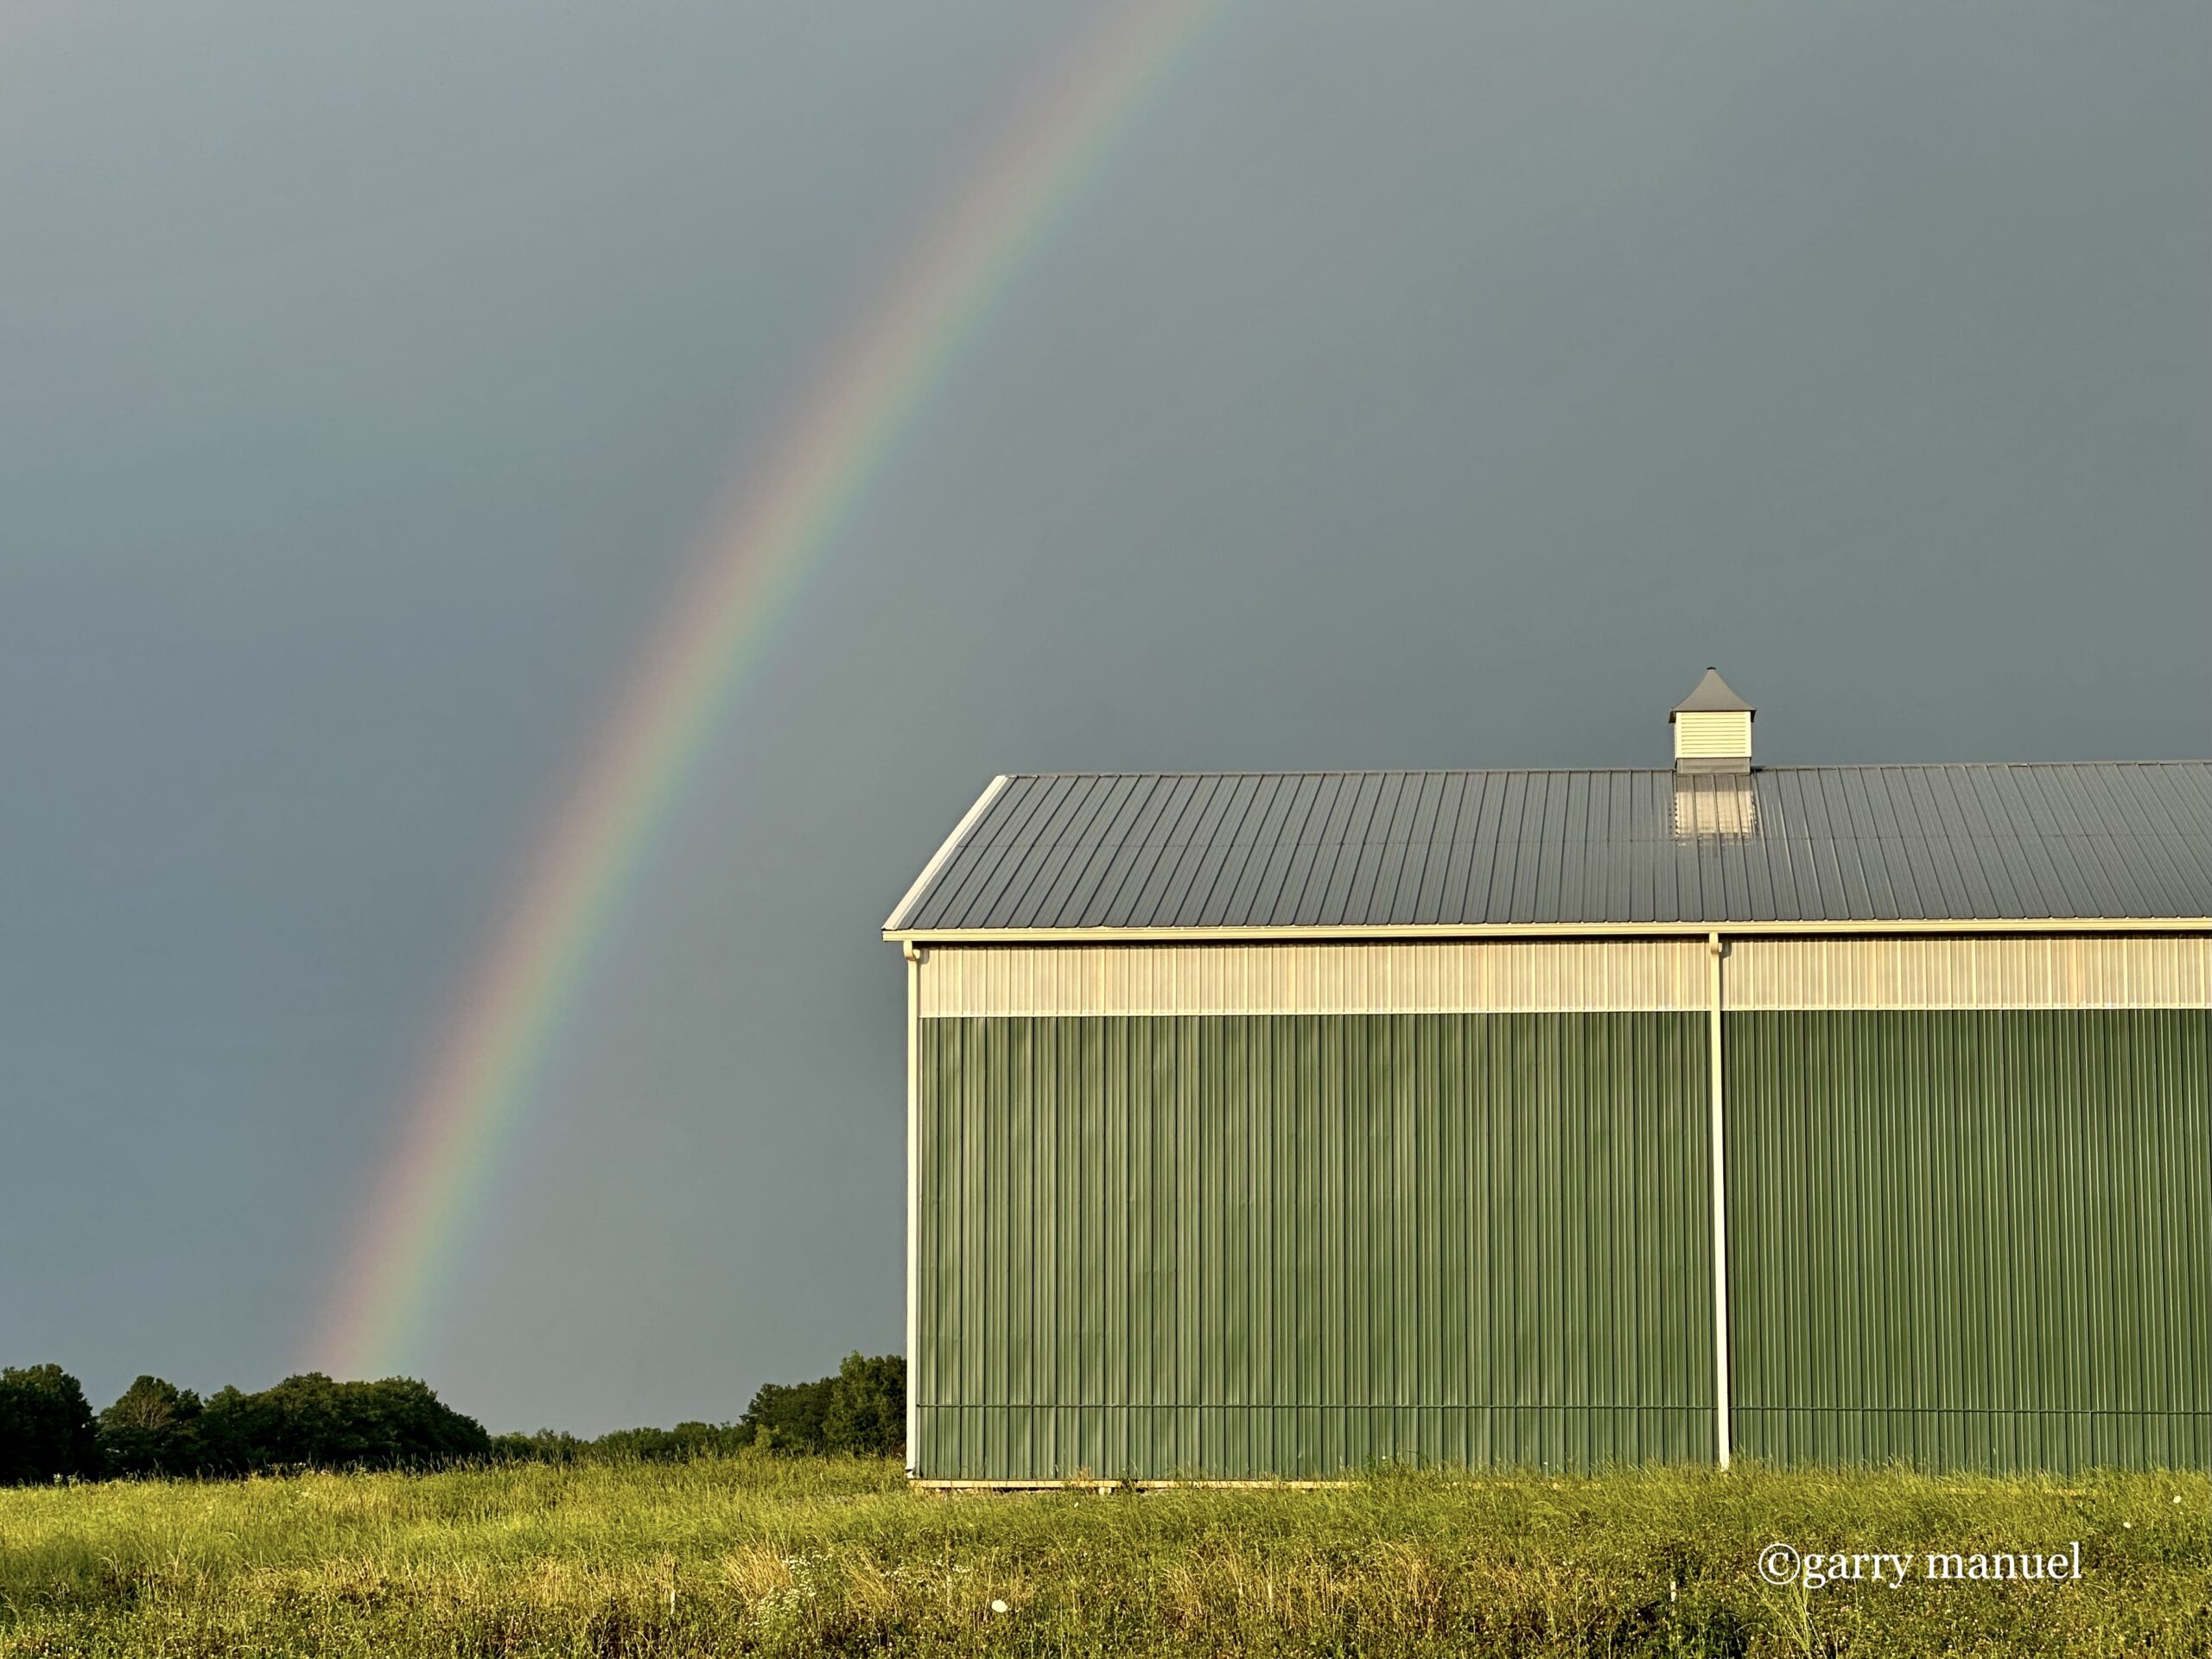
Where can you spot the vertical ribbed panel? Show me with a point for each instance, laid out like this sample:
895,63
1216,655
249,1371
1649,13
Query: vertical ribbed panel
1975,1240
1251,1246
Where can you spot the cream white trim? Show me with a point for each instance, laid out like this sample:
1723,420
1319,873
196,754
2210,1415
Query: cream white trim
942,856
913,1207
1565,976
1714,951
1535,976
2073,971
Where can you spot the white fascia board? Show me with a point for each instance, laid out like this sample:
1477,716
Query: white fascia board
944,856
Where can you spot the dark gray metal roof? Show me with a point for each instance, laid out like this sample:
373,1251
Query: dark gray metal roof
1258,850
1711,695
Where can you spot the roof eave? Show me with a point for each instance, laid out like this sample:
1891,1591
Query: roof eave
942,856
1546,930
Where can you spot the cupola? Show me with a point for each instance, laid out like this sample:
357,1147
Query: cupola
1712,728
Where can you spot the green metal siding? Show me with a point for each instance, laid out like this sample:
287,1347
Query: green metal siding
1261,1245
1974,1240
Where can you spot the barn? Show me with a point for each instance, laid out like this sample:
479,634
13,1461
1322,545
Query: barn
1262,1126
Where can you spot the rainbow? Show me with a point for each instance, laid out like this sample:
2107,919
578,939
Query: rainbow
476,1095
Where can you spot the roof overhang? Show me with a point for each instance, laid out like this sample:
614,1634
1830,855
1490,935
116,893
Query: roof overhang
943,854
1546,930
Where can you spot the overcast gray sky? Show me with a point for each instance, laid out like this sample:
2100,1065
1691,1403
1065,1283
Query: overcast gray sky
1421,385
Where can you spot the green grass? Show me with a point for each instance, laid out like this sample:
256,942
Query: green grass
757,1555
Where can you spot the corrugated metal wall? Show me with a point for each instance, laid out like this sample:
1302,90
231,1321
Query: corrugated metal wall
1969,1224
1975,1240
1251,1246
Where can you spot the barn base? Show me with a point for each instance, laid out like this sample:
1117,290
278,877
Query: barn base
951,1488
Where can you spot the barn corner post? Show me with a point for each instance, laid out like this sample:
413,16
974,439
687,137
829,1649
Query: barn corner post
913,955
1714,951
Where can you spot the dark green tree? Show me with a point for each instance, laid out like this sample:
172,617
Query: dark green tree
788,1417
678,1445
867,1410
152,1429
310,1422
546,1445
47,1431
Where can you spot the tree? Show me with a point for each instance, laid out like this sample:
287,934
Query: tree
546,1445
47,1431
152,1429
867,1410
310,1422
788,1417
678,1445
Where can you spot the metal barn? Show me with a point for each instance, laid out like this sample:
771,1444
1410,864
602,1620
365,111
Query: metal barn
1263,1125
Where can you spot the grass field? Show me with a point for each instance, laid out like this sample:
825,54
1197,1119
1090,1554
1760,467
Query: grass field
757,1554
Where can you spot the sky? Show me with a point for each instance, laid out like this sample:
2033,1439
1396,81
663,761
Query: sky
1405,386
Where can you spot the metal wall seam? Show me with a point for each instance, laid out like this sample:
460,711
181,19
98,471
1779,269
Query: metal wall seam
1717,1201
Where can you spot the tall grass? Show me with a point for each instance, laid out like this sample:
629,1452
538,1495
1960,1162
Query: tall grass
760,1554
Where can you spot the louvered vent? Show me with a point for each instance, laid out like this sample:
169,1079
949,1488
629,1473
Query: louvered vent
1711,737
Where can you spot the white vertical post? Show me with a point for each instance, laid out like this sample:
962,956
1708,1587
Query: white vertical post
1720,1209
913,955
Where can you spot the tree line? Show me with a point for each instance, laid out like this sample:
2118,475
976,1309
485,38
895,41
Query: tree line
48,1431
